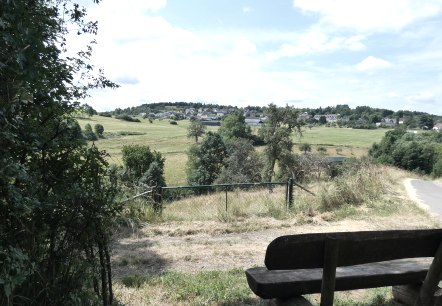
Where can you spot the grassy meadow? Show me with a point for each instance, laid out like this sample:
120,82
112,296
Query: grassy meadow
172,142
196,251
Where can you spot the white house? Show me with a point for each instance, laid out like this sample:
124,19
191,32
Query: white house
437,127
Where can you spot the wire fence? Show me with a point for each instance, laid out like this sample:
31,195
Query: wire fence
170,194
281,192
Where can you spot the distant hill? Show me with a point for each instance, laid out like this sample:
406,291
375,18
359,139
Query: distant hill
361,116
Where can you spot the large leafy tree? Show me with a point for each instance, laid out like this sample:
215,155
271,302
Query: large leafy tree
137,160
196,129
206,160
243,164
414,152
277,134
234,126
56,194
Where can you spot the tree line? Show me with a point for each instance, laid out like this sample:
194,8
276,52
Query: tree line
359,117
421,153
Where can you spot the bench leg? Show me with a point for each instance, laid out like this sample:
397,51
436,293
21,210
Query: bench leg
408,295
296,301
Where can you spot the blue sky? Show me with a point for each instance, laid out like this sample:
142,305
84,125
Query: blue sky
305,53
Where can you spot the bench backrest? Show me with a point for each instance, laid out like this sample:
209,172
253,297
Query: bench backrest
307,250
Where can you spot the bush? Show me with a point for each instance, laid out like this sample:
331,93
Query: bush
173,122
305,147
137,160
88,133
128,118
99,129
154,176
437,168
322,150
358,184
105,114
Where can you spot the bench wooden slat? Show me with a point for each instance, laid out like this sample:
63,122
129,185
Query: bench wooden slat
331,255
289,283
307,250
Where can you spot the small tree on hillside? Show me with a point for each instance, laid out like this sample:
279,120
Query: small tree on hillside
206,160
137,160
243,164
99,129
305,147
88,133
234,126
154,176
196,129
277,134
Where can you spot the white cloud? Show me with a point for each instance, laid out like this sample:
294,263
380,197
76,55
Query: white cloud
246,9
244,46
315,41
373,63
156,60
370,15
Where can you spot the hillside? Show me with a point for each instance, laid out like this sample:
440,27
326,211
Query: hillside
172,142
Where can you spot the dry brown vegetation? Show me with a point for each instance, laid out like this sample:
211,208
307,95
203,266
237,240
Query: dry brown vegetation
196,234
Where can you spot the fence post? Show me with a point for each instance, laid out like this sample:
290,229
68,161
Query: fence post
226,198
287,194
290,192
157,196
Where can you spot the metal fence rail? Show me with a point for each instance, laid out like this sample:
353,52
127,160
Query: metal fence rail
226,188
158,194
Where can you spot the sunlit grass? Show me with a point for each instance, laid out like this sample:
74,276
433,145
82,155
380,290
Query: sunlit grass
344,137
172,141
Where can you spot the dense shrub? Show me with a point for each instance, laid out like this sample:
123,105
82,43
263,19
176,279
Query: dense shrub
105,114
243,164
99,129
361,182
57,198
126,117
409,151
206,160
137,160
88,133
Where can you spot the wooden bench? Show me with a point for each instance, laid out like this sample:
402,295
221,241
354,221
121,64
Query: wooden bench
328,262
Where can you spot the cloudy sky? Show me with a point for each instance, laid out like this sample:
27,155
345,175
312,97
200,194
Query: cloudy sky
305,53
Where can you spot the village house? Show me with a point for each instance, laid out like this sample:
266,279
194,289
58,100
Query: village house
329,117
304,116
254,121
387,122
437,127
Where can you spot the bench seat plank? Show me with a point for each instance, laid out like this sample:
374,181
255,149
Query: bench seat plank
289,283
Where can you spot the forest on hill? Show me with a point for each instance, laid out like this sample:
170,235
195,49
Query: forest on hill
358,117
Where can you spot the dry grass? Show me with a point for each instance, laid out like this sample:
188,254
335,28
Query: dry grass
194,248
240,205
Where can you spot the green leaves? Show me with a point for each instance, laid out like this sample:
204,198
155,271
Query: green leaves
56,196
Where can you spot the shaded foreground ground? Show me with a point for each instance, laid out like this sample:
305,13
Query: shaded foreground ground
192,247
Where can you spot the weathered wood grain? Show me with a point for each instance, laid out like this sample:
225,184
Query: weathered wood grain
290,283
426,294
306,251
331,255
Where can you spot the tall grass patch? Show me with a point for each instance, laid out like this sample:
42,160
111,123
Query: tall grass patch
361,183
240,204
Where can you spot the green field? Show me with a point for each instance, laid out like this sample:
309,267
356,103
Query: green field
347,137
172,142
